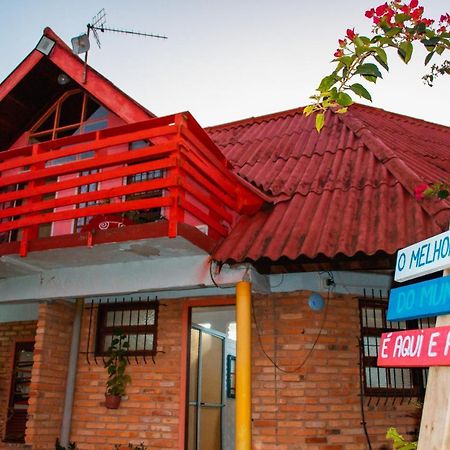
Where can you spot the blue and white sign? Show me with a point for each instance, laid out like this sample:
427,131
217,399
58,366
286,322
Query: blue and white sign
424,257
426,299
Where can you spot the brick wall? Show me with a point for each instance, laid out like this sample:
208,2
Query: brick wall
312,408
48,380
9,334
316,407
150,411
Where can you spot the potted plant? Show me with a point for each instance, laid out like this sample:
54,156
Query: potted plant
116,365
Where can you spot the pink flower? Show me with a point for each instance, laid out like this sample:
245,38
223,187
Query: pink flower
405,9
370,13
417,13
351,34
382,9
419,191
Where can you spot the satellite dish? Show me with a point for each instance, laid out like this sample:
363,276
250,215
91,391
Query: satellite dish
80,44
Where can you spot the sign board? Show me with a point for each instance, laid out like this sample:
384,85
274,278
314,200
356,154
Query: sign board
425,299
424,257
415,348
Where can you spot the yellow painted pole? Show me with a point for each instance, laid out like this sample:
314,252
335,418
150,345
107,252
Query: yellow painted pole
243,366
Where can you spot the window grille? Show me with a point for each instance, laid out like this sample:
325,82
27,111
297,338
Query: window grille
137,319
380,381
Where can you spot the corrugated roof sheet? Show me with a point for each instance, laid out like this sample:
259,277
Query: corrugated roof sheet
346,190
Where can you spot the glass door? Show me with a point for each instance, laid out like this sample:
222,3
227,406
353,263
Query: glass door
205,389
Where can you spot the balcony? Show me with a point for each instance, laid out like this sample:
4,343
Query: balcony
158,179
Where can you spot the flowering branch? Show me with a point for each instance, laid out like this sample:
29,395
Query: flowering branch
396,25
440,190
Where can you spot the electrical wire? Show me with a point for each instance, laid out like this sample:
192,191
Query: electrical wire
310,351
212,276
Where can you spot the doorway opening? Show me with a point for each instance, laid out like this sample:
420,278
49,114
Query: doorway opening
211,378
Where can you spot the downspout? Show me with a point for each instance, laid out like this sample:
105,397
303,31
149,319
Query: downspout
243,366
71,374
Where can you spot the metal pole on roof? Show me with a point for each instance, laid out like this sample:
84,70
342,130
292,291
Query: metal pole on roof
243,366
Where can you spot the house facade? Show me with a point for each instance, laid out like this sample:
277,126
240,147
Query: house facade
248,265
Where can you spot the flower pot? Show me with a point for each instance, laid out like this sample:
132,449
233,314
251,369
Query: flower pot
112,401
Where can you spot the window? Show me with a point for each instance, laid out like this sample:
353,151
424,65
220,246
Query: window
74,112
80,222
150,214
138,320
20,392
10,236
379,381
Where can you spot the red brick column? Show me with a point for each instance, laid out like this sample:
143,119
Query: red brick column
48,381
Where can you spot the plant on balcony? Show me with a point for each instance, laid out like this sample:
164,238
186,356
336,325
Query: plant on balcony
116,365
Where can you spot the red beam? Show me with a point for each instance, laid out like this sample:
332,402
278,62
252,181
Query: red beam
72,200
91,163
205,218
89,211
164,163
55,152
209,202
215,189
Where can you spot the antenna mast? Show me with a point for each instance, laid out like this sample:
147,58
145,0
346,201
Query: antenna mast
81,44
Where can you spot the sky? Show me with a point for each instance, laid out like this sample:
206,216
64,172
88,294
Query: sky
224,60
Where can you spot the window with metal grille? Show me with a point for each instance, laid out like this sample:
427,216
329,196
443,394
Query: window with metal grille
19,393
137,320
380,381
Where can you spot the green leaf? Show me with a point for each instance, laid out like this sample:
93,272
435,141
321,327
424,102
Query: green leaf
381,62
344,99
381,55
370,78
360,90
342,110
420,28
400,18
393,31
369,69
307,110
440,49
405,50
326,83
347,60
320,121
430,42
443,193
428,58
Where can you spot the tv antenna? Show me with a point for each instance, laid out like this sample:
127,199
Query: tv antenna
81,43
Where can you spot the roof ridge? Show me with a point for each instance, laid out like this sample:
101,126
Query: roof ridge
410,119
393,162
256,119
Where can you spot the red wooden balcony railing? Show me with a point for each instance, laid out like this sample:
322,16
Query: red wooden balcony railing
194,183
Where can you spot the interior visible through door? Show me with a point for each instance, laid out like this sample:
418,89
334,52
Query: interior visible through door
211,409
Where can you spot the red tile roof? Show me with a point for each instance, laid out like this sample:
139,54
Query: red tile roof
344,191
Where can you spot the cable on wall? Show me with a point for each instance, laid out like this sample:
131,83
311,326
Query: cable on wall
310,351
